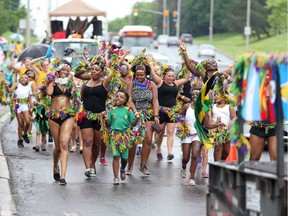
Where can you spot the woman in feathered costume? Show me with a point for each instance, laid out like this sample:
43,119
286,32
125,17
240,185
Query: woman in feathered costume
62,115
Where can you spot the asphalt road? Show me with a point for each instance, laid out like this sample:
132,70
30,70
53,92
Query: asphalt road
164,192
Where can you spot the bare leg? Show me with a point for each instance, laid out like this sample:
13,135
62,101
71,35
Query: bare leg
55,131
38,135
88,137
65,133
160,139
257,145
225,150
218,152
103,149
204,158
20,124
96,147
131,157
80,138
272,147
115,165
186,154
170,136
146,148
196,148
73,138
27,120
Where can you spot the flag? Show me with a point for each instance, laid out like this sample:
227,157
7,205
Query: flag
272,107
202,105
284,88
251,107
264,86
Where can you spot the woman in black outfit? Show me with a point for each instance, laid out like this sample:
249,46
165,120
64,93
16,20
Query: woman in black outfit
167,95
94,95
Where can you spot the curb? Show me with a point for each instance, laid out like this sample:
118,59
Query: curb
7,205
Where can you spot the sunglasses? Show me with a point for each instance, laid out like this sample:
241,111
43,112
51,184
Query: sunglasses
32,77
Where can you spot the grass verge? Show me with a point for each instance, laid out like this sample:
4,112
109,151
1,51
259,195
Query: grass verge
235,44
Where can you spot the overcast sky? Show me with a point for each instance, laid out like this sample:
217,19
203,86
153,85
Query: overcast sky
39,10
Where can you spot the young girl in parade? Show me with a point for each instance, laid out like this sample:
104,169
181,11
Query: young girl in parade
22,103
218,120
191,145
120,118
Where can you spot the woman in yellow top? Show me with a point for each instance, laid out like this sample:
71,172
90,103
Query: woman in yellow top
41,72
21,69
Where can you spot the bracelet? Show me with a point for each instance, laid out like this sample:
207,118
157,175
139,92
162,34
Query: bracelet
185,52
182,97
156,116
228,77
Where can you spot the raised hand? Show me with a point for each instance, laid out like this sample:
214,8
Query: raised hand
182,46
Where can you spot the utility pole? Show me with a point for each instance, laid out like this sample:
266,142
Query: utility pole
28,24
211,21
247,29
168,24
178,18
164,18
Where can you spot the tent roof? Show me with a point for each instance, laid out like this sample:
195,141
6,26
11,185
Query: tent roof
76,8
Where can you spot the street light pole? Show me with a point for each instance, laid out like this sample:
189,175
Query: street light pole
248,29
164,18
28,25
178,18
211,21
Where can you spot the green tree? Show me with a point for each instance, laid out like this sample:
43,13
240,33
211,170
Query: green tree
10,15
117,24
278,16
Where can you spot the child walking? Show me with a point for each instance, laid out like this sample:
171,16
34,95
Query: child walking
191,145
120,119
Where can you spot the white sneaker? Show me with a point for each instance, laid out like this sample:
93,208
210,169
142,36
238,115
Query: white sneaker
183,173
191,182
92,172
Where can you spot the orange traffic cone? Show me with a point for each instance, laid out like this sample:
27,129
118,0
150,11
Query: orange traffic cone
232,157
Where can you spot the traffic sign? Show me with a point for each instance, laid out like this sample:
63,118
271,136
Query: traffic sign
247,30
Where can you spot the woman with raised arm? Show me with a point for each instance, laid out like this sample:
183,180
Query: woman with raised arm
167,94
94,95
205,69
22,103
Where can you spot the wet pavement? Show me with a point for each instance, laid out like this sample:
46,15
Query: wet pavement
164,192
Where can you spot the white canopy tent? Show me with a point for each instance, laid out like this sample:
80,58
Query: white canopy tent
77,8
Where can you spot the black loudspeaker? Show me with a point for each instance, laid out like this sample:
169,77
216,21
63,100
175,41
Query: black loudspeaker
56,26
97,27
